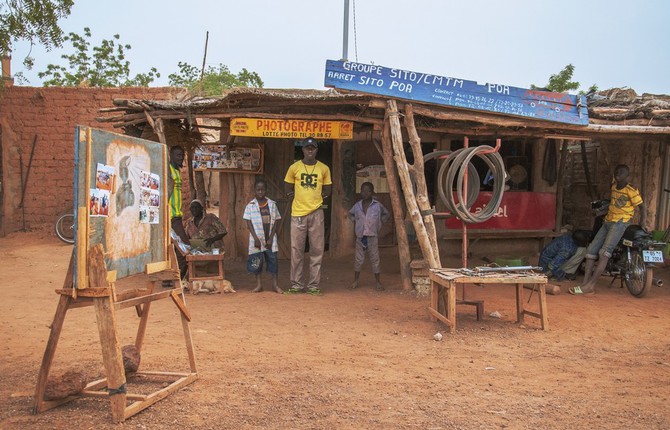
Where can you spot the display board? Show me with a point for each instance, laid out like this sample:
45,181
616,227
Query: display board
461,93
224,158
120,202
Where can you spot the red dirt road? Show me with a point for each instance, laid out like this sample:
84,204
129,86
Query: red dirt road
349,359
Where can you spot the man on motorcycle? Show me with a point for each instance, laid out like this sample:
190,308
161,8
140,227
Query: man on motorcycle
623,201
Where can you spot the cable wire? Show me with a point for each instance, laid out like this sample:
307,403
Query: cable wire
453,170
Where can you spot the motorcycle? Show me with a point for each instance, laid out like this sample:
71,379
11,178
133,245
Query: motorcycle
635,256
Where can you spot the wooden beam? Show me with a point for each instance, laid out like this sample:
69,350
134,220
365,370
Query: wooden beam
404,254
158,266
560,186
152,398
420,180
107,328
174,295
407,188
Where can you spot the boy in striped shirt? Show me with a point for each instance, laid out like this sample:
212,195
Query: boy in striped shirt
261,216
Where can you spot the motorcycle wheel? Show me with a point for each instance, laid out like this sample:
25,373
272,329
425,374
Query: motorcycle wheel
638,277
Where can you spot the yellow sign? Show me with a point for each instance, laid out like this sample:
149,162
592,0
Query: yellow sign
291,128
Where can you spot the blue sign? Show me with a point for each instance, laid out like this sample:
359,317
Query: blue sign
442,90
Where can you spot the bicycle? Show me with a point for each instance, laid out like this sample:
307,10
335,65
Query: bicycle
65,228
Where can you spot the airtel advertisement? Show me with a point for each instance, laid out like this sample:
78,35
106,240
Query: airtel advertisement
517,211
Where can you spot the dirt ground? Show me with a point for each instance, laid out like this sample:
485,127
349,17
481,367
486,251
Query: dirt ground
349,359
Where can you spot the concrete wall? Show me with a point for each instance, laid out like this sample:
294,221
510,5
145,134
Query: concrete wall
50,114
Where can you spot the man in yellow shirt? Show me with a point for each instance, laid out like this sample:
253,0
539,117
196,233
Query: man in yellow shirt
623,201
309,182
175,202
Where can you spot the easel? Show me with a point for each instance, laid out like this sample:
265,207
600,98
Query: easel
104,296
89,283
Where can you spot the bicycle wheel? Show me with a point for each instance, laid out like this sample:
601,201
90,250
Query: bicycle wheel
65,228
638,276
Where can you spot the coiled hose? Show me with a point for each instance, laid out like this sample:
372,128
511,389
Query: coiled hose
453,169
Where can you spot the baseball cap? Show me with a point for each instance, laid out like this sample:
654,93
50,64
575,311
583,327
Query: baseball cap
309,141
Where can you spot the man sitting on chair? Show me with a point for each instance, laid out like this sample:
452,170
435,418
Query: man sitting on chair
205,231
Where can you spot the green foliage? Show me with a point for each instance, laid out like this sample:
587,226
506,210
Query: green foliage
561,82
105,66
32,20
592,90
215,80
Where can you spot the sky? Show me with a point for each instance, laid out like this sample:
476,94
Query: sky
611,43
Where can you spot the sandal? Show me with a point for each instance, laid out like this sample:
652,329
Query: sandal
577,291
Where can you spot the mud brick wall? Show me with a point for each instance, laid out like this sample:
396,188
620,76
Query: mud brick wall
51,114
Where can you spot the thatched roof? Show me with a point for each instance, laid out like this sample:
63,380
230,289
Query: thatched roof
615,113
621,104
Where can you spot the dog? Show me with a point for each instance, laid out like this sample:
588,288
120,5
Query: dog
212,287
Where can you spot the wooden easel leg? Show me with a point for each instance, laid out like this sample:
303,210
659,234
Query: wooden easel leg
144,319
111,356
56,327
142,327
189,340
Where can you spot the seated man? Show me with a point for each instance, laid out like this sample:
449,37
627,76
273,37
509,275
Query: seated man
559,251
204,230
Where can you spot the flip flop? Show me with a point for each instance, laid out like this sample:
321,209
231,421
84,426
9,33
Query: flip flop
577,291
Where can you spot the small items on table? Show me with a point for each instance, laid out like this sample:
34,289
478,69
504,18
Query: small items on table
444,283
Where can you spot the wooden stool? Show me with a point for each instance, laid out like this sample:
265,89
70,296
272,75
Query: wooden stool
199,258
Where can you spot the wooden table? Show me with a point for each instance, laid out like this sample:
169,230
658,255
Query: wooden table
444,282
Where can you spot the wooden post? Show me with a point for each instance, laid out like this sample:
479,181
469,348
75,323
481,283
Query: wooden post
405,180
159,129
232,217
398,213
420,181
343,197
560,187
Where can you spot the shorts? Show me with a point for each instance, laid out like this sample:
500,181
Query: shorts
255,262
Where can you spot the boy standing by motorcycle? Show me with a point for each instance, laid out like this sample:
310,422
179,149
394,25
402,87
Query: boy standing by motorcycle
623,201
